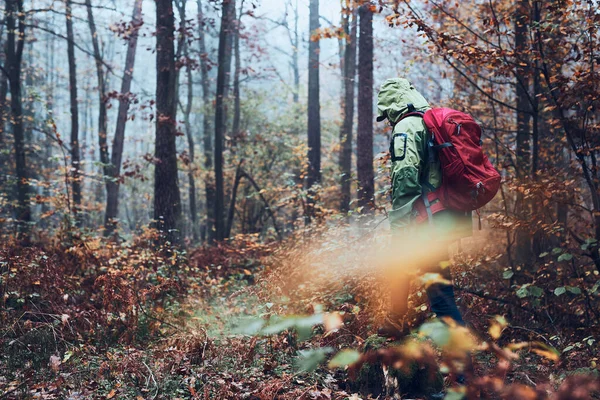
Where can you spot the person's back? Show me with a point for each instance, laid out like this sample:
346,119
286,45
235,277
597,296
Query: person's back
415,175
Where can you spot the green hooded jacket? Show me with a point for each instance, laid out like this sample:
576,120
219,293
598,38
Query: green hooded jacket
410,162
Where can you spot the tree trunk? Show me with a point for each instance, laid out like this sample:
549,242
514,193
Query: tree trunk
236,77
31,81
102,118
523,236
4,106
113,184
349,65
314,105
234,189
224,62
181,6
296,49
102,130
3,93
167,200
75,156
207,231
48,141
364,140
14,56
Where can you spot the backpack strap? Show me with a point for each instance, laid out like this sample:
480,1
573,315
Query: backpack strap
427,206
412,114
427,188
425,197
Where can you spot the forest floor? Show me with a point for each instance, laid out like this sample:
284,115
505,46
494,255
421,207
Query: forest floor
251,321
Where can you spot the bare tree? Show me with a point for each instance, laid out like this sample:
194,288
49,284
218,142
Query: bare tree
167,200
523,237
295,42
15,26
349,24
293,34
314,104
3,87
224,62
4,104
102,119
75,155
236,77
114,170
183,43
364,139
209,184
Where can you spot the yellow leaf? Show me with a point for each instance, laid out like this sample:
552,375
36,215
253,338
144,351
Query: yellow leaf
495,331
332,321
497,326
431,278
546,353
517,346
111,394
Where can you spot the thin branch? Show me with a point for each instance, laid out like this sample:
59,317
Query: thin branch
108,67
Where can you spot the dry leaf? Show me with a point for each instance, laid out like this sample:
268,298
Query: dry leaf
54,363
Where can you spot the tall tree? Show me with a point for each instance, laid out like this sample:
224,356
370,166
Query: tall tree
349,24
102,117
114,170
314,104
167,200
15,26
207,141
50,78
224,69
364,140
187,110
523,236
4,104
295,41
236,76
75,154
3,88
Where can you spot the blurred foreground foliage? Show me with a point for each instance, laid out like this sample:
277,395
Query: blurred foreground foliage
289,320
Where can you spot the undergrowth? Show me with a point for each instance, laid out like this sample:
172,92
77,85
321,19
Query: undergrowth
292,320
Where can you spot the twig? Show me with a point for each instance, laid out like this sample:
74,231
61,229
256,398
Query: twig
154,379
531,331
5,394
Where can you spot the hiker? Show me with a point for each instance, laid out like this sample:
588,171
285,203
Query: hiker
416,174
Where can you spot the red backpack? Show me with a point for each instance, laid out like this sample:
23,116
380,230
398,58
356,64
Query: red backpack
469,181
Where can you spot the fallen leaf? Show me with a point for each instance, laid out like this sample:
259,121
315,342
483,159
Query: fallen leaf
55,363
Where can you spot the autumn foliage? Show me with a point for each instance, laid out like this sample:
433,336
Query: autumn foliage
267,278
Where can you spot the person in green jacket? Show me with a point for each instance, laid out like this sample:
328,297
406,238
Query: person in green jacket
415,172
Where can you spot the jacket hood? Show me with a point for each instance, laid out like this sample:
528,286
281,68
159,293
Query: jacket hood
394,98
